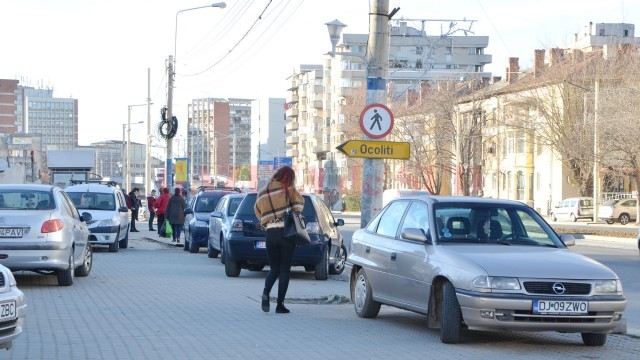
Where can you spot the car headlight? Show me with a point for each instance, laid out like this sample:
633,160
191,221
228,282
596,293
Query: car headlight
12,280
200,223
107,223
607,287
488,283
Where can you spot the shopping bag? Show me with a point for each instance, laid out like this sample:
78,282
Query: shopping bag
168,230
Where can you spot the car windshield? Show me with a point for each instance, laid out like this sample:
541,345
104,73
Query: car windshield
16,199
492,224
234,202
207,203
93,200
610,202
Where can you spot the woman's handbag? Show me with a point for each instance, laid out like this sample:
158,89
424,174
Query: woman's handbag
295,228
168,229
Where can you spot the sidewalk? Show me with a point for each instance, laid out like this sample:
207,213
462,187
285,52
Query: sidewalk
146,234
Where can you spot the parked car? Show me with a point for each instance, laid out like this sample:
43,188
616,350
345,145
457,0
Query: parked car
13,309
245,246
109,224
196,220
621,210
573,209
220,222
42,231
481,264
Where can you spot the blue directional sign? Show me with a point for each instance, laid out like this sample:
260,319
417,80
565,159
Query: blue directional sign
279,162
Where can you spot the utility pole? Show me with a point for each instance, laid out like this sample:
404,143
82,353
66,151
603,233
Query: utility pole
168,172
596,180
147,166
378,50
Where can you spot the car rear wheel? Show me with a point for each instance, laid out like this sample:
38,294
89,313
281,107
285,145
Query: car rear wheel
231,267
362,297
592,339
451,316
124,243
87,261
338,267
609,222
624,219
193,247
65,277
211,252
322,267
573,218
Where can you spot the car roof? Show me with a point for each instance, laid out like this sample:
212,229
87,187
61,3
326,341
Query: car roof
434,199
28,186
97,188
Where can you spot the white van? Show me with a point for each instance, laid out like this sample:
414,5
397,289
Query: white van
391,194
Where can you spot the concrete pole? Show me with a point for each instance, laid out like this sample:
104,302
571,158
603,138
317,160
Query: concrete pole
168,172
233,175
596,182
128,160
148,184
378,50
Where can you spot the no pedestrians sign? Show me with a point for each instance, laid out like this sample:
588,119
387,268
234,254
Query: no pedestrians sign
376,121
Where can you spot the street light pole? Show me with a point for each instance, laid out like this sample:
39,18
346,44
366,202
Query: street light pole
171,72
128,160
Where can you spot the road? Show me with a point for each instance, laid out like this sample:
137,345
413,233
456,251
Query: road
155,301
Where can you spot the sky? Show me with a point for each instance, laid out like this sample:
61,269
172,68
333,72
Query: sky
99,51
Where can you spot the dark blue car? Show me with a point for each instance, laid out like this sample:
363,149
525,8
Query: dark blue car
245,247
197,215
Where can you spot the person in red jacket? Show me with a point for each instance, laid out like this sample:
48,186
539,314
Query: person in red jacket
161,206
151,206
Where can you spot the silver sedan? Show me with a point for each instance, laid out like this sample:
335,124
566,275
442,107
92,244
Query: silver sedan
41,230
481,264
13,309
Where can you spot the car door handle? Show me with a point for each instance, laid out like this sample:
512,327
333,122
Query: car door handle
367,249
393,256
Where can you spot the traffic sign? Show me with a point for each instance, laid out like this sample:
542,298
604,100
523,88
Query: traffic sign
376,121
375,149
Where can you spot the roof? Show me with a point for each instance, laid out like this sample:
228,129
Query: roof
96,188
434,199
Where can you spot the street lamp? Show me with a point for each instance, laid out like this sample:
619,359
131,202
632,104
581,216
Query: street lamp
127,160
171,74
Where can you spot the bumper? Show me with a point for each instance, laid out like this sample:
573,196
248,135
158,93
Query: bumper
199,235
36,259
9,330
246,250
515,313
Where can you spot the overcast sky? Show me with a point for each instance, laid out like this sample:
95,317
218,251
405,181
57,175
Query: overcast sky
99,51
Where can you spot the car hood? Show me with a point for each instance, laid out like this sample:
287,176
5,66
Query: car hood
529,261
98,215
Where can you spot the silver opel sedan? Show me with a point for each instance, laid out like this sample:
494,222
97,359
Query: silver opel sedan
481,264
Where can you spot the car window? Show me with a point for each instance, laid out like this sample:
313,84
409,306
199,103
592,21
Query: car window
416,218
309,212
20,199
92,200
390,222
206,203
221,204
246,206
373,224
67,203
586,202
629,203
234,203
326,212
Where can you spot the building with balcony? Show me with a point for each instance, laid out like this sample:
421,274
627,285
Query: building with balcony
269,130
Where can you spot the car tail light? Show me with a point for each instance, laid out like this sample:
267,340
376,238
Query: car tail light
237,225
50,226
313,227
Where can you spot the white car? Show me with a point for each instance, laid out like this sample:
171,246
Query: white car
108,208
13,309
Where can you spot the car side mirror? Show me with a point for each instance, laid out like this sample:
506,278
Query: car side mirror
123,209
415,234
188,211
339,222
216,214
85,217
568,239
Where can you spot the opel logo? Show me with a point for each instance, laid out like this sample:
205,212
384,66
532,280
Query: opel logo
558,288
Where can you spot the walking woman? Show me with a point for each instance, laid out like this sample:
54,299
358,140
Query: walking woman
175,214
278,197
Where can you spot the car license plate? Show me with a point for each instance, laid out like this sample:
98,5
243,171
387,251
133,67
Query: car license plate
261,244
11,232
560,307
7,311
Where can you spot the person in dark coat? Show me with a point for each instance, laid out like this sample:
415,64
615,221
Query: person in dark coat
175,214
151,206
135,207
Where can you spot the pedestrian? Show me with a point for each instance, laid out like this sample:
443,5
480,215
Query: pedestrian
343,206
274,200
161,207
151,206
175,214
135,207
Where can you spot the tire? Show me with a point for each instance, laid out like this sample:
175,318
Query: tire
87,262
231,268
65,277
186,246
362,297
124,243
553,217
114,246
211,252
451,315
321,271
573,218
193,247
624,219
609,222
593,339
222,252
338,267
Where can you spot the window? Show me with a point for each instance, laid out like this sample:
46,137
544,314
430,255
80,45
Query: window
388,225
449,50
521,142
417,217
601,32
419,50
520,185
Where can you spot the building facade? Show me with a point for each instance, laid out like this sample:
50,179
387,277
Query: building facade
268,139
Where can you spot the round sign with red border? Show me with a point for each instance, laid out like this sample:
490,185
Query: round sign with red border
376,121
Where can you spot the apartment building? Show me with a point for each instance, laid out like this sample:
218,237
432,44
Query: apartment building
268,139
208,140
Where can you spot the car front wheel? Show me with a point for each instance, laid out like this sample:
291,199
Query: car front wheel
451,316
592,339
573,218
624,219
362,296
322,267
338,266
211,252
124,243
